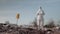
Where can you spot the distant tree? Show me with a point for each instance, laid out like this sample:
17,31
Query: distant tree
35,23
59,22
50,25
7,22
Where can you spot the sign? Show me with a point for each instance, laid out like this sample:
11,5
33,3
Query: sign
17,15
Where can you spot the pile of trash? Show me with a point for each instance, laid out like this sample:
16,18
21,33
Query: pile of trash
15,29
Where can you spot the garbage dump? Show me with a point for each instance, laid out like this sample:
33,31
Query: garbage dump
15,29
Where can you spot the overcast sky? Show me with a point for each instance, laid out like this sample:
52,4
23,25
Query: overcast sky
28,9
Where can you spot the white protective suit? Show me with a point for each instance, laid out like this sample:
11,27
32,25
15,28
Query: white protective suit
40,19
